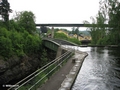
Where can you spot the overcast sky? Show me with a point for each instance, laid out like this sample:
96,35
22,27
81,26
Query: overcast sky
57,11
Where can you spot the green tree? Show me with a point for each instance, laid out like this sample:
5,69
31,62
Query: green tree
63,36
43,29
114,21
18,41
98,29
5,8
74,40
26,20
73,30
5,43
14,26
77,32
60,36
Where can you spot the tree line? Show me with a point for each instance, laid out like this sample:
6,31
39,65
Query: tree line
65,37
18,36
109,13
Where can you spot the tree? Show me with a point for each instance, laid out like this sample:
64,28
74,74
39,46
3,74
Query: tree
43,29
109,13
61,36
74,40
5,43
114,21
26,20
73,30
77,32
98,29
5,9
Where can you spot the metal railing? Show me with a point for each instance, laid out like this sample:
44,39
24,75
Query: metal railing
38,77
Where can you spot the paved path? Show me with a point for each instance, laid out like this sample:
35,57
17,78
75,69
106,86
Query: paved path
54,83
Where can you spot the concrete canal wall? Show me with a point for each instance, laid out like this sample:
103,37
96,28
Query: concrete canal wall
71,77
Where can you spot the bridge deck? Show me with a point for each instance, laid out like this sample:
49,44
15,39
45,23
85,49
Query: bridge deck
70,25
62,25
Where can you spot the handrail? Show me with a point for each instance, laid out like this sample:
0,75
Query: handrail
37,72
46,75
36,75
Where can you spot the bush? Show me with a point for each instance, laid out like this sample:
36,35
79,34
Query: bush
32,44
74,40
60,36
64,36
5,47
18,43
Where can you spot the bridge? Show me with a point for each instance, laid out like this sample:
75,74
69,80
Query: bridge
54,44
65,25
70,25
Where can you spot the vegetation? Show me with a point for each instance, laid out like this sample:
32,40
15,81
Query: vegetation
61,36
44,57
26,20
19,39
65,37
74,40
101,33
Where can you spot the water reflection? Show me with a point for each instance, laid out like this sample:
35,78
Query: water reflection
100,70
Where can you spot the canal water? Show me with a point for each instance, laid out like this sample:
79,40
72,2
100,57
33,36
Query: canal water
100,69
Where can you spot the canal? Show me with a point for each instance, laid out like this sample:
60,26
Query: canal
100,69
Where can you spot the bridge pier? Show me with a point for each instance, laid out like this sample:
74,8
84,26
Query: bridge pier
52,34
59,51
77,32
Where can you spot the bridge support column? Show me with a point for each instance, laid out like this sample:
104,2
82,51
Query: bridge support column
59,51
52,32
77,32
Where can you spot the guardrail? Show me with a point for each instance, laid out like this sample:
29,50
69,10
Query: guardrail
34,80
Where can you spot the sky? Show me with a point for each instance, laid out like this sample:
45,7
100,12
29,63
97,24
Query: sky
57,11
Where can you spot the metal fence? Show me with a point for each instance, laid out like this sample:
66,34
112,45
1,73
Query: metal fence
37,78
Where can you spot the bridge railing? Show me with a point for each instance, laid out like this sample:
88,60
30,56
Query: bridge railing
38,77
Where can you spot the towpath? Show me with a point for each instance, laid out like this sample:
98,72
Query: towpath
54,83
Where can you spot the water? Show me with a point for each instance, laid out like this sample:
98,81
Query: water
100,70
